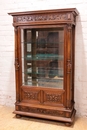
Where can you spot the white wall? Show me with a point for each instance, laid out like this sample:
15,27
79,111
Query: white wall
7,78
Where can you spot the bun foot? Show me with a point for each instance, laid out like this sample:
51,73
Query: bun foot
68,124
18,116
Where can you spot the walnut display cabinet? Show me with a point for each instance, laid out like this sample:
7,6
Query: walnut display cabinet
44,63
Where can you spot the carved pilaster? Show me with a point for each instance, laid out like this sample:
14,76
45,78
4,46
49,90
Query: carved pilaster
68,104
17,98
16,29
16,55
69,44
16,65
69,66
69,27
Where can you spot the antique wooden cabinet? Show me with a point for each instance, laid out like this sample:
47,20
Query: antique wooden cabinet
44,63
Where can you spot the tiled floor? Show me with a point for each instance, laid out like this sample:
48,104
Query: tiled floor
9,122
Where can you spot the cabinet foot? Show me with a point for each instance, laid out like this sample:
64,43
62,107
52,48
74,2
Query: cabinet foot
18,116
68,124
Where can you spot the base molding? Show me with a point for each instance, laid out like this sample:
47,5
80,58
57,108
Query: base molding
68,121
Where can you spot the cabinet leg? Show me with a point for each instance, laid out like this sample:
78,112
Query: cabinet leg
18,116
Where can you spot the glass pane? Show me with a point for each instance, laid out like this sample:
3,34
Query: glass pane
43,57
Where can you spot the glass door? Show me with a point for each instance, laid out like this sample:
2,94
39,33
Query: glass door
43,57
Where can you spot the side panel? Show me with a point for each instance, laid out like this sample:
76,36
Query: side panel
17,66
69,66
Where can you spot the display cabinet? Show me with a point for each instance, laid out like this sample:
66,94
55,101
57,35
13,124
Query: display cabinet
44,63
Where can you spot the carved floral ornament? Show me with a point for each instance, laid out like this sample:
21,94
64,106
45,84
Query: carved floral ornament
54,97
42,17
30,95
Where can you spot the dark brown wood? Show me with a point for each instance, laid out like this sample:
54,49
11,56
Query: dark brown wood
57,118
45,17
34,99
73,60
69,28
67,10
20,62
16,66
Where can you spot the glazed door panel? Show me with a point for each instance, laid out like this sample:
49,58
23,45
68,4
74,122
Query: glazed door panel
42,55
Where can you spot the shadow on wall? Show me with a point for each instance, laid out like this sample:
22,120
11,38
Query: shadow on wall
80,70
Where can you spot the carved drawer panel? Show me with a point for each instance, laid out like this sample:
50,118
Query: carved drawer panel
42,111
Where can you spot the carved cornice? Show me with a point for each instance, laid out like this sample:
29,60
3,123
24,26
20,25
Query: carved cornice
41,17
44,16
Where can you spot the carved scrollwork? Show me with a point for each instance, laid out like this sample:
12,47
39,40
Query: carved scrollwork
54,97
69,16
16,64
42,111
41,17
30,95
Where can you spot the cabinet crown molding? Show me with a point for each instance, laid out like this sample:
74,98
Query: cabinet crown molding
46,17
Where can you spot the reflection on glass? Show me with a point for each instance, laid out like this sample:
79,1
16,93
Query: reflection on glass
42,57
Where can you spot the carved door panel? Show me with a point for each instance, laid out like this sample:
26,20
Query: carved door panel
54,97
42,56
42,96
30,95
